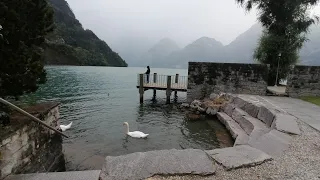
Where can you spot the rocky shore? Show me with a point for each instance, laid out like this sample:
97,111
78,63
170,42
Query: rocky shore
210,106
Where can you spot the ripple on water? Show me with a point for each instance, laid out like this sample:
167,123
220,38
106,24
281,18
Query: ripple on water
99,99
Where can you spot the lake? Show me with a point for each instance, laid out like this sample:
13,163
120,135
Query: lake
99,99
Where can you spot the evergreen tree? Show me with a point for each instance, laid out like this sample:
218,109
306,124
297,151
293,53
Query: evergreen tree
24,26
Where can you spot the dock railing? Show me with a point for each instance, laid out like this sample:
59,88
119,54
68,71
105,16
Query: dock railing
158,81
168,83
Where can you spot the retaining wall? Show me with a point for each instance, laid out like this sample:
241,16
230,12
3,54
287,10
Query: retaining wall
205,78
27,147
304,81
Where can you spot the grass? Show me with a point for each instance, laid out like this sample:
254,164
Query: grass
312,99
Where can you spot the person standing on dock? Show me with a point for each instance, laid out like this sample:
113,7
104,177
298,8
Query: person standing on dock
148,73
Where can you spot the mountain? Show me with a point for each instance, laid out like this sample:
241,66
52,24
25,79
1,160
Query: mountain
132,48
204,49
167,54
242,48
157,54
70,44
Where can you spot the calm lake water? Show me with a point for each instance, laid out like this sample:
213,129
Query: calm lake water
99,99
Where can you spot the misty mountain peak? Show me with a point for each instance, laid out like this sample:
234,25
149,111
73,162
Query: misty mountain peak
205,43
164,46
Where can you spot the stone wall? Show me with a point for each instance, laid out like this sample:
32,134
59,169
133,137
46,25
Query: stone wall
205,78
27,147
304,81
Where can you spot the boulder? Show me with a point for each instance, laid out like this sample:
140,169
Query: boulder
212,110
201,110
194,107
196,103
193,117
185,105
213,96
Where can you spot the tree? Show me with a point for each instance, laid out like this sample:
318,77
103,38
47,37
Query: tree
25,23
268,52
286,23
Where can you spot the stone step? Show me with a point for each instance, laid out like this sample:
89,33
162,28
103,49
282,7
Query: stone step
71,175
142,165
257,107
239,156
273,143
252,126
238,134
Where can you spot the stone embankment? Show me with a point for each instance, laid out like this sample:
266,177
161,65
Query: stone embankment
262,133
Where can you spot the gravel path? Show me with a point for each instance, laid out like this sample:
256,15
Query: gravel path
300,161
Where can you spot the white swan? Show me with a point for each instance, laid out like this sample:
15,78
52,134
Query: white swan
65,127
135,134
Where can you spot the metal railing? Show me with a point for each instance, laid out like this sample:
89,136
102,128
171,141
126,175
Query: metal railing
33,118
156,80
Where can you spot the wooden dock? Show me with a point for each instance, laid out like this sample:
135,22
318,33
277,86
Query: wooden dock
169,83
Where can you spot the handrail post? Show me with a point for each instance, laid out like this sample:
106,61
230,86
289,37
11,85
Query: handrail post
141,91
30,116
154,77
177,78
168,89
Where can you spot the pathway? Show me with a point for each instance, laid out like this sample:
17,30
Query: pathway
305,111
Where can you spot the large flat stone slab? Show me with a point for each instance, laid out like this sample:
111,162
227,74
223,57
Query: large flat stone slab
234,128
273,143
286,123
142,165
266,115
228,109
239,116
239,156
72,175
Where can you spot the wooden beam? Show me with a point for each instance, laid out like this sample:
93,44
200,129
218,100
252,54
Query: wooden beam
141,91
168,89
177,78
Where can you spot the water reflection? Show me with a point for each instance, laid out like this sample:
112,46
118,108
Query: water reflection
172,128
99,99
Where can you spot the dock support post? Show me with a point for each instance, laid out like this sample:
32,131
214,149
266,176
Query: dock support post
154,90
175,92
168,93
141,90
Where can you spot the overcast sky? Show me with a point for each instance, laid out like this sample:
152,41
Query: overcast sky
181,20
